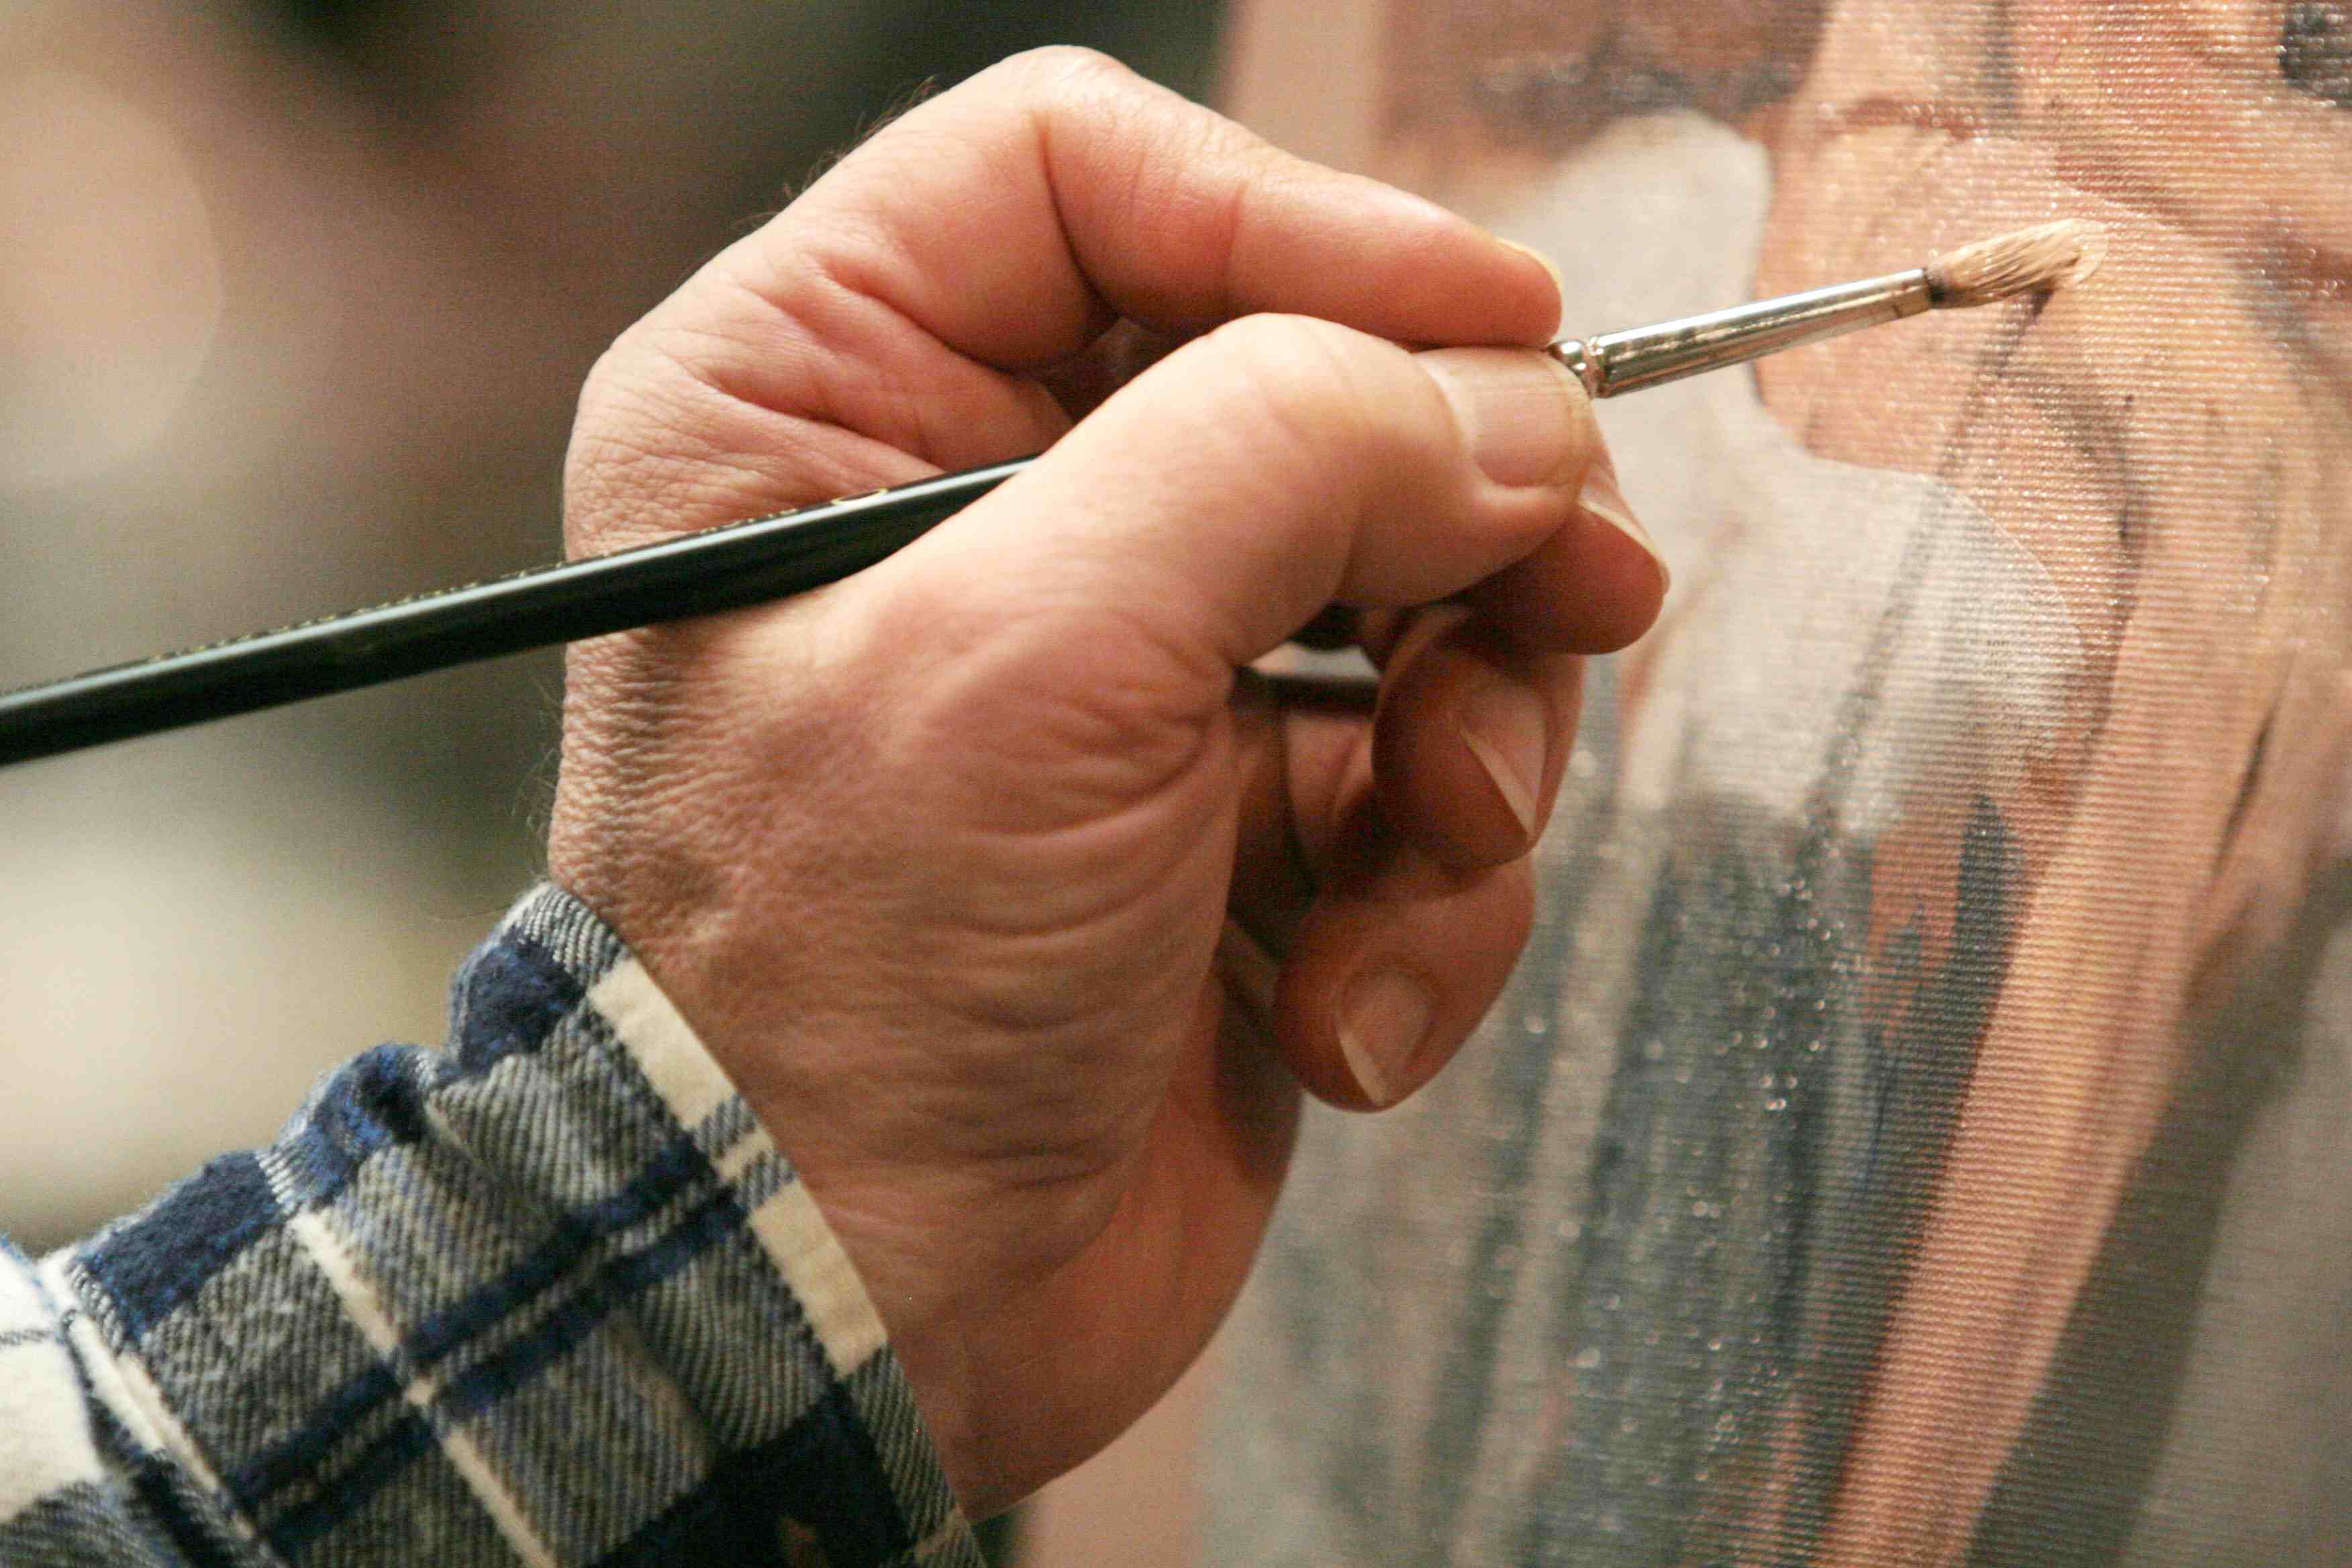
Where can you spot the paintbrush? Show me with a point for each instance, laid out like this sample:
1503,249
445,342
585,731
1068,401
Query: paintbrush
744,563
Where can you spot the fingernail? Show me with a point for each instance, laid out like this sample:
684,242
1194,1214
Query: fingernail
1558,282
1506,728
1524,415
1603,499
1380,1027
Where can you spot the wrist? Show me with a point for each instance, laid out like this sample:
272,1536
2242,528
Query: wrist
926,1323
881,1268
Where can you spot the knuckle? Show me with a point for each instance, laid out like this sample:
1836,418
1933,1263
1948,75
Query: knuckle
1059,70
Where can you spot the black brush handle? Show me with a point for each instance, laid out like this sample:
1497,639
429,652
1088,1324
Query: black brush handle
694,575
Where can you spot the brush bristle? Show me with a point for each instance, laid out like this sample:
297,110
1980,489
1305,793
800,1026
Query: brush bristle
2047,255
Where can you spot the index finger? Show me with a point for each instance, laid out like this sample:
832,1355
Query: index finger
1013,218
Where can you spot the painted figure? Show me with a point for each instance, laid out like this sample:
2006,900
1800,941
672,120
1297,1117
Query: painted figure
1917,1131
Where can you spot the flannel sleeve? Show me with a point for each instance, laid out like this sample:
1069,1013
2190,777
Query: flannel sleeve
548,1296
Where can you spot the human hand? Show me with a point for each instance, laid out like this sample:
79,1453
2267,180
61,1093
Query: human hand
1017,910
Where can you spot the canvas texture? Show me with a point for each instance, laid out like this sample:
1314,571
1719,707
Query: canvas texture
1918,1131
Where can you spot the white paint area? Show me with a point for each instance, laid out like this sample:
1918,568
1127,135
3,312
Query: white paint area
1775,549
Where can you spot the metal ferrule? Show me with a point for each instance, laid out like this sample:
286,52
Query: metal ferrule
1623,361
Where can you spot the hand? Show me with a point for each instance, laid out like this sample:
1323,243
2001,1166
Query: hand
1015,909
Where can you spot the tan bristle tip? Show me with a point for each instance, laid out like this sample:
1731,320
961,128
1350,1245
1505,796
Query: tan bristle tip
2047,255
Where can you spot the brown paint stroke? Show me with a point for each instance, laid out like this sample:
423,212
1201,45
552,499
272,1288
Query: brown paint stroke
2167,862
2169,444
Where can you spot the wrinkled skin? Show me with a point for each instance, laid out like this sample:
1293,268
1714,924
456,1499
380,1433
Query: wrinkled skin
1017,910
1931,1292
2170,442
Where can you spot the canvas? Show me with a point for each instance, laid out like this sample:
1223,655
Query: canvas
1921,1128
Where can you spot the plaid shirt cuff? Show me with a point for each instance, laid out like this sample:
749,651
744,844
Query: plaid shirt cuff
548,1296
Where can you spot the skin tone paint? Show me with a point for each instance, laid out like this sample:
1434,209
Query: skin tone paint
2025,870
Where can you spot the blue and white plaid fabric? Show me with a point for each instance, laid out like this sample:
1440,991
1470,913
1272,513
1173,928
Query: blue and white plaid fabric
548,1296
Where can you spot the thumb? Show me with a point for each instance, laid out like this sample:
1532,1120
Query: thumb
1085,623
1279,464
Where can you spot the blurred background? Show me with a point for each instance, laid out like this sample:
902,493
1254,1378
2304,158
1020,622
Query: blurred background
295,298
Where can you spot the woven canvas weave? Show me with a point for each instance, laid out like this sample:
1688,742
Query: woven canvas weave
1918,1130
